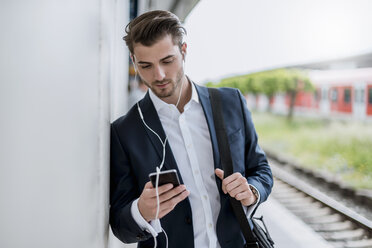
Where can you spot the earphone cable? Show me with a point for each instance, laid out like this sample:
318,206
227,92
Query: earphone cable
158,168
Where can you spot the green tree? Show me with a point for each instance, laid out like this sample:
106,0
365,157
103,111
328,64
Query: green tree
270,86
291,82
269,83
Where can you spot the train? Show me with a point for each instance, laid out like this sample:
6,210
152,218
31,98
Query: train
343,94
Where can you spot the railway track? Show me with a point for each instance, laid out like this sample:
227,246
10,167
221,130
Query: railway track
339,225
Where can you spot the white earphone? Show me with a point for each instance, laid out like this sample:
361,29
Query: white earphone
134,63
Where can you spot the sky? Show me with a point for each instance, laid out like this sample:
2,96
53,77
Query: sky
231,37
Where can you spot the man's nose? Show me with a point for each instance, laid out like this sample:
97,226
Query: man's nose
159,73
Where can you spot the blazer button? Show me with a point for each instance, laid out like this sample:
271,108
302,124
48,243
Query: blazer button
188,220
139,237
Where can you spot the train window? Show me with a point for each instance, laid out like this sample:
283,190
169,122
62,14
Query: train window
325,94
334,95
347,95
356,95
362,95
370,95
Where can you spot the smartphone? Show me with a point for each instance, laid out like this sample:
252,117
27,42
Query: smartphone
168,176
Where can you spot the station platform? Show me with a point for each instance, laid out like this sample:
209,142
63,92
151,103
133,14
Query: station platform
286,229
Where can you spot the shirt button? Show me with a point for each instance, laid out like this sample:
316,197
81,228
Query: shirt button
196,172
210,225
205,197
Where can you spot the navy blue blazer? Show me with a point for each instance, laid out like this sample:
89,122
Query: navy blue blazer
136,151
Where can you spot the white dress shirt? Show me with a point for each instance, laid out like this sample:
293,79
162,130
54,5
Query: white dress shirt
189,139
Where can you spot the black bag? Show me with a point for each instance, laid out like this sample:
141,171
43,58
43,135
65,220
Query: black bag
261,233
258,237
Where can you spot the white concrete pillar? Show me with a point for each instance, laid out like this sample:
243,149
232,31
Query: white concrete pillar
63,78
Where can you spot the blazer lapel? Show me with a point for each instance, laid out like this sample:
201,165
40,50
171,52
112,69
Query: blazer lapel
151,118
206,104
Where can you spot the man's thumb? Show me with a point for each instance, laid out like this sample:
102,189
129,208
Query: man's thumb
219,173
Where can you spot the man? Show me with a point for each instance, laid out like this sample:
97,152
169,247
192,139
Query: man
198,212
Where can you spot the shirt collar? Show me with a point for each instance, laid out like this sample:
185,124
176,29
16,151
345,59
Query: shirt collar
160,104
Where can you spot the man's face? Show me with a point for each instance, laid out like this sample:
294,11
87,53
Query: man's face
160,66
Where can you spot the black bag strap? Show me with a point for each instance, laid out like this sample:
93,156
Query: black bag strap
226,161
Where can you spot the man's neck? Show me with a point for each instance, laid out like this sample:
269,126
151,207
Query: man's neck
186,88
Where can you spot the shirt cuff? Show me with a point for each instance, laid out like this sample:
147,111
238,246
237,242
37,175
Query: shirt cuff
154,227
249,209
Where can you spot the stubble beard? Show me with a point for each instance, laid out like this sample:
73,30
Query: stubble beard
164,93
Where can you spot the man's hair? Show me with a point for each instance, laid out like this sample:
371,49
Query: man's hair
152,26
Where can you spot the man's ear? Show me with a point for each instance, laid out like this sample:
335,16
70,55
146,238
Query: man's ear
184,50
132,57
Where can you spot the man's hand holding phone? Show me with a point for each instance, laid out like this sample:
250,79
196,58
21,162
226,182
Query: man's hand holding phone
169,197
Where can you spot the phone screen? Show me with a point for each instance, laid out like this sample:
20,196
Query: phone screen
169,176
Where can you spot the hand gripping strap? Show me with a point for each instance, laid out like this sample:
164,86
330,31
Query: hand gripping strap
224,149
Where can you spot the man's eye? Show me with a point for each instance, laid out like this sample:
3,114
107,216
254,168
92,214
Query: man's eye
168,61
145,66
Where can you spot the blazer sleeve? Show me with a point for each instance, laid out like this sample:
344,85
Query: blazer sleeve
123,191
257,168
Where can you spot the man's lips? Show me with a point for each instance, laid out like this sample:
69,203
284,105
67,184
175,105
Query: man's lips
163,85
